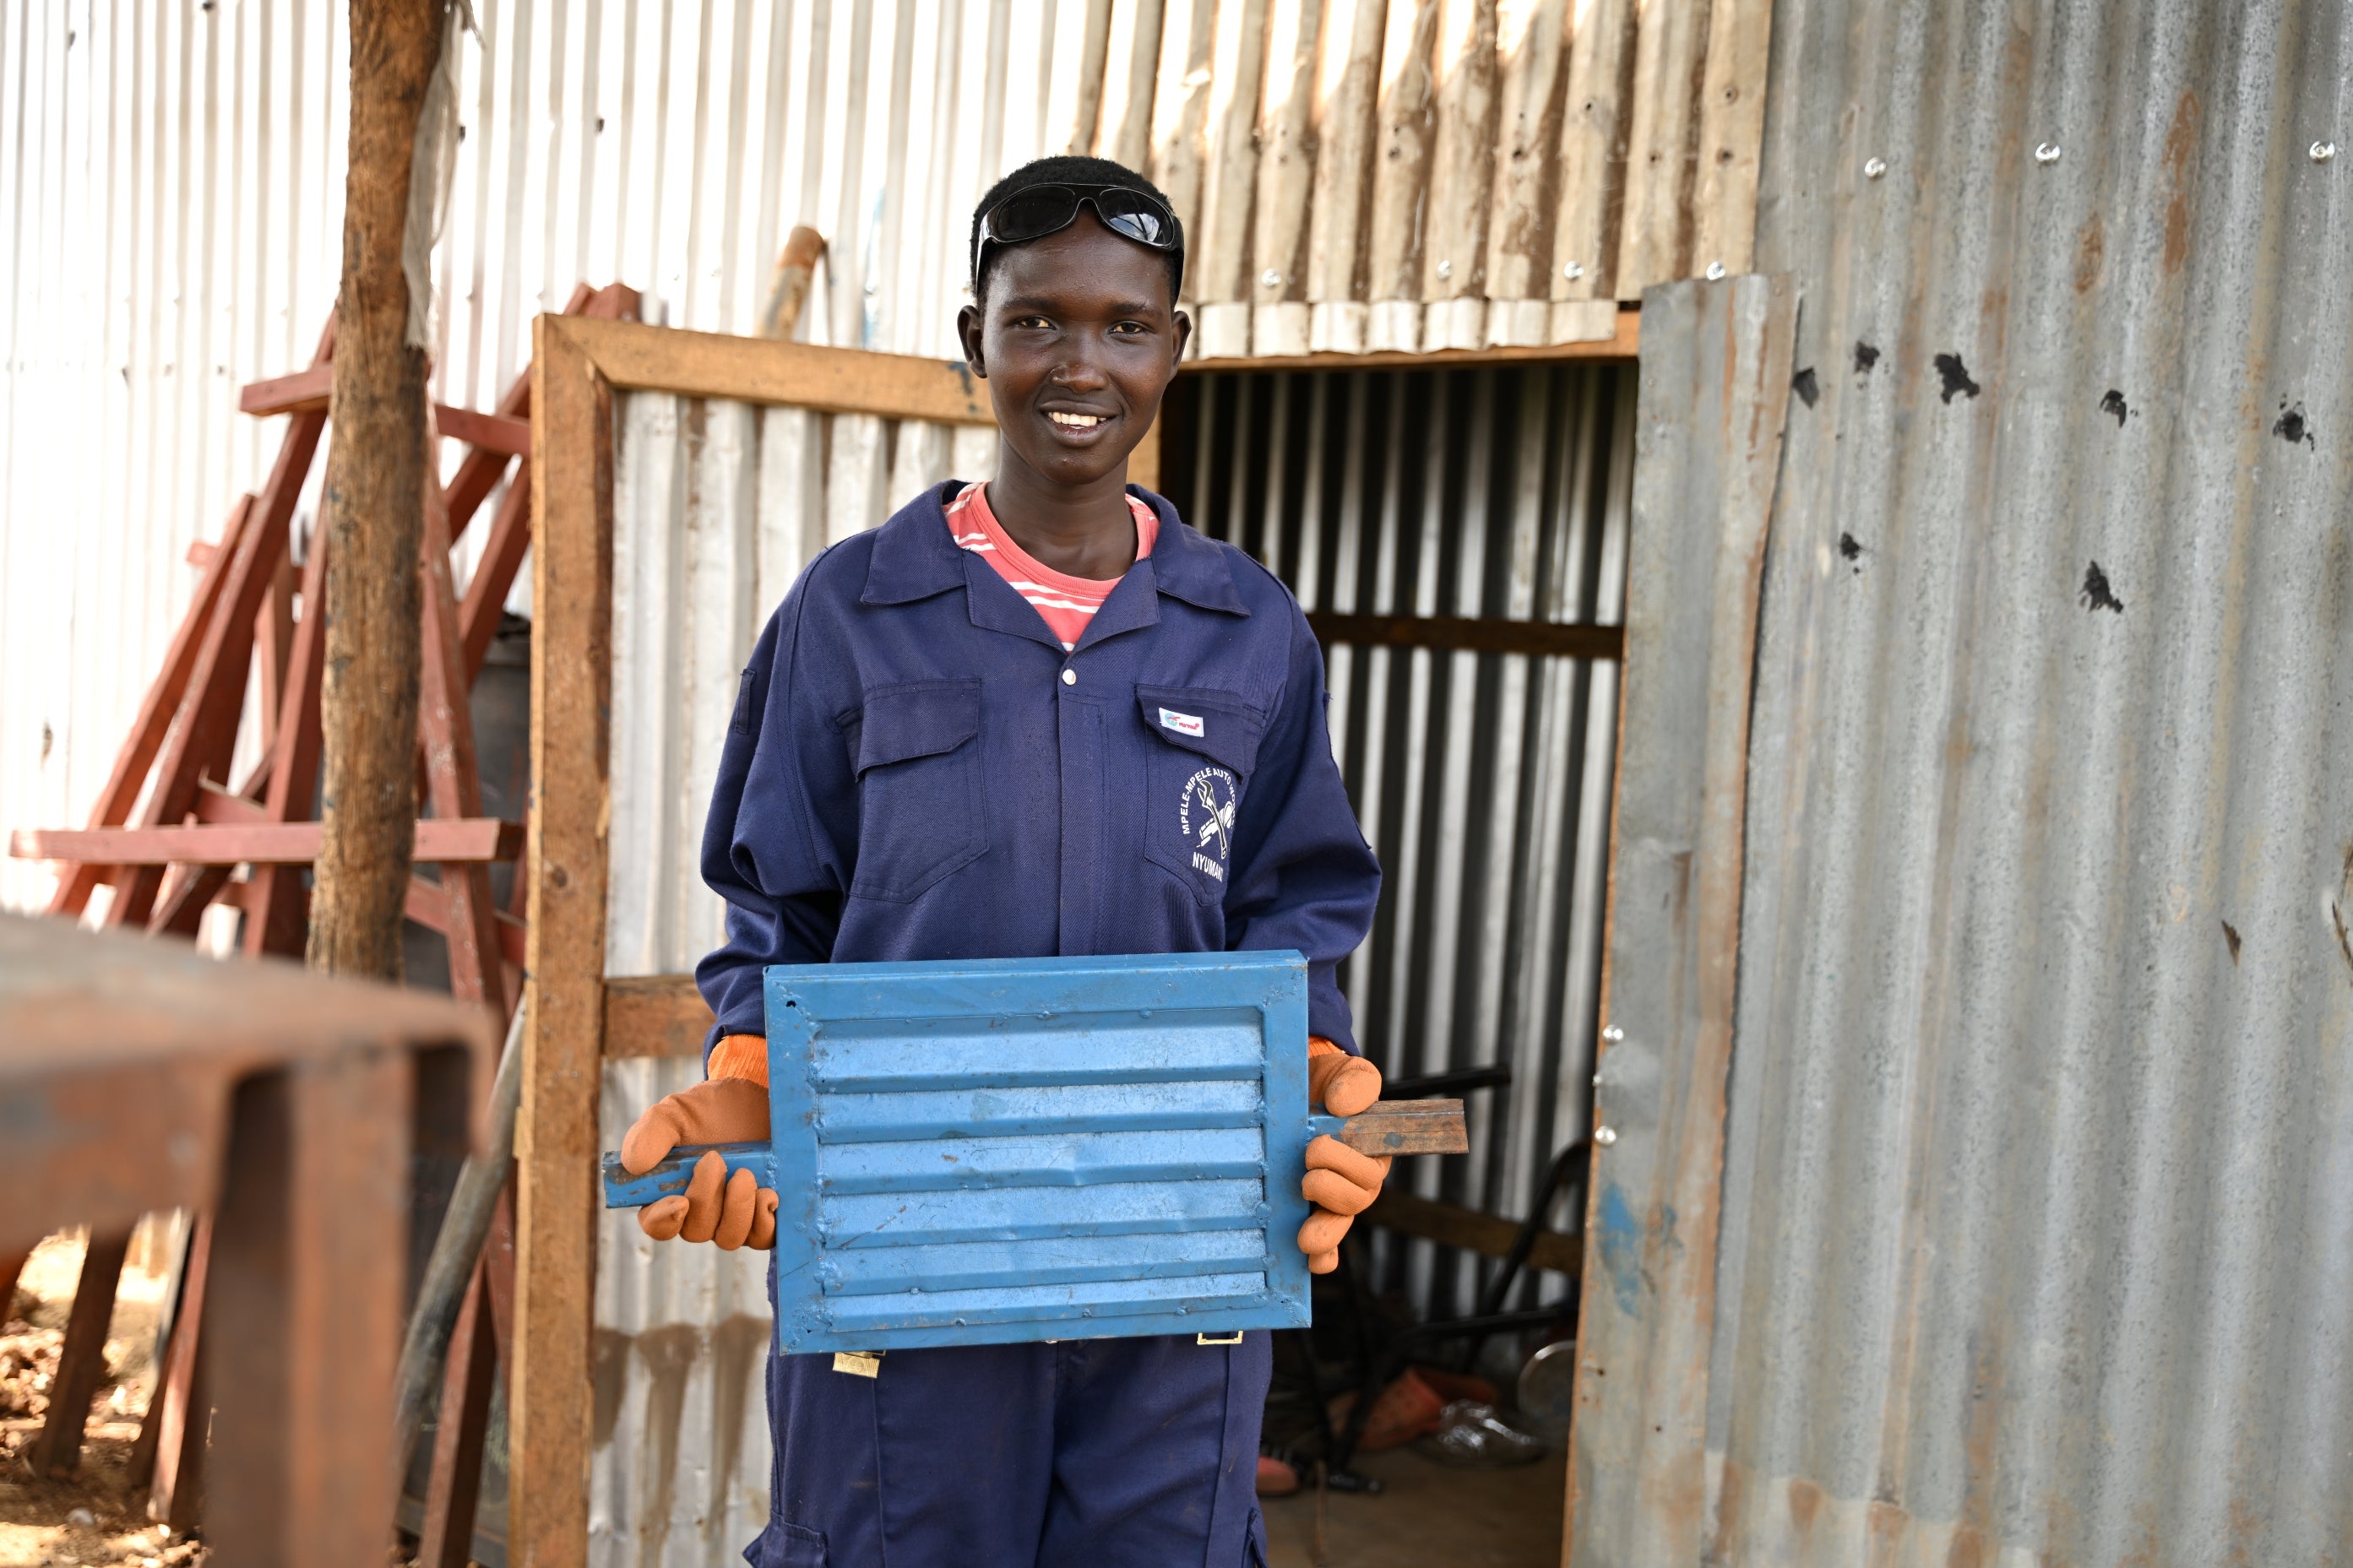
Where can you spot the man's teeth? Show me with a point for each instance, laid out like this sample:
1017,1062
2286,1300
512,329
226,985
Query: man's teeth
1077,421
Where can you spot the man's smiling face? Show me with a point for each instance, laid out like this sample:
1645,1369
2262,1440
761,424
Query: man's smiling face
1078,339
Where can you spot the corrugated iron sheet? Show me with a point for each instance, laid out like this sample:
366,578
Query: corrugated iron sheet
1482,780
716,508
1358,175
2037,1231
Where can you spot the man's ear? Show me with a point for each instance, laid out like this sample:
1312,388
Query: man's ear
1183,334
968,333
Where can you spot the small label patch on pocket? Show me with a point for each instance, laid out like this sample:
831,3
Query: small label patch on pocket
1183,723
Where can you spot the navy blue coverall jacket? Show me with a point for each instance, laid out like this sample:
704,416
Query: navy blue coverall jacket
917,769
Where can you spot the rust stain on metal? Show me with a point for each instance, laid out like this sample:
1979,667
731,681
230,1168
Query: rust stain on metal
2180,151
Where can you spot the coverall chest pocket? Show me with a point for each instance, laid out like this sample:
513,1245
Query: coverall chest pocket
1196,775
919,813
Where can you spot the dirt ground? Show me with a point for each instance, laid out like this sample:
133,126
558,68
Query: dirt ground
1428,1513
91,1518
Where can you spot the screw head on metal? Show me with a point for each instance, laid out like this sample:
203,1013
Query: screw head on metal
1572,271
2323,150
1873,167
1613,1033
1715,272
1446,269
2046,152
1605,1136
1270,278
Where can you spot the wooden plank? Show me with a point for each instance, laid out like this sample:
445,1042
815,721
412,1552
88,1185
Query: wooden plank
655,1016
572,663
156,710
444,724
1714,401
1593,153
278,906
1407,1127
1451,1224
1579,641
1622,347
462,841
628,354
304,392
427,903
455,1477
1731,135
490,432
495,574
81,1360
171,1446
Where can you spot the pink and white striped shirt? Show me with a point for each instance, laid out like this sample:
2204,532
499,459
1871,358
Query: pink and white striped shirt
1065,603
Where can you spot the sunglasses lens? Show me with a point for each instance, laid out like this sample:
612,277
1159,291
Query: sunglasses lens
1135,215
1033,213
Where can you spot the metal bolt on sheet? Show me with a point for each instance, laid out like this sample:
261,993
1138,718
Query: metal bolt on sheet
1572,271
1874,167
1270,278
1446,269
1715,271
1613,1033
1605,1136
2323,150
2046,152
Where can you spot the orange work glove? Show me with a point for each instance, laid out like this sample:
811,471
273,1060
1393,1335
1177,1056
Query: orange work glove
733,1211
1341,1183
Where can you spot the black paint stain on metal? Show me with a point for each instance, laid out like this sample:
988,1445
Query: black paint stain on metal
2293,427
2114,403
1851,549
2097,595
1956,377
1808,390
2230,935
1865,356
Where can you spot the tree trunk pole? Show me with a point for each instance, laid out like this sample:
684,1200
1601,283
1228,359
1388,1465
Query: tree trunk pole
374,511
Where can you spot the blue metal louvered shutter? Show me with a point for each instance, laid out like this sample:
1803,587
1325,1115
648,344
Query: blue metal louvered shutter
1016,1150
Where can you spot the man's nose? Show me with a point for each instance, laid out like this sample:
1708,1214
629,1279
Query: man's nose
1082,371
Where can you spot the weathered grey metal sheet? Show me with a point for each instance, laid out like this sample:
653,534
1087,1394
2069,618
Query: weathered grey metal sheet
1482,780
2039,1191
1716,387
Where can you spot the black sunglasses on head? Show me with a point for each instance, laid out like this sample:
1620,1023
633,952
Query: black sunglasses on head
1041,210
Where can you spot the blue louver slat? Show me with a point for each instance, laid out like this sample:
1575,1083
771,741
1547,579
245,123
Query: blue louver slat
970,1153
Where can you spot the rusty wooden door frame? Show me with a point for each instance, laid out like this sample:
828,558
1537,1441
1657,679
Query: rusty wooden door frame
578,366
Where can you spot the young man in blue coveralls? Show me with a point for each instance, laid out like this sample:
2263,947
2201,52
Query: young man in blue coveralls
1035,718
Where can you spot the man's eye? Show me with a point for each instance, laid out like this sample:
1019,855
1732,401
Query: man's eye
1131,329
1034,324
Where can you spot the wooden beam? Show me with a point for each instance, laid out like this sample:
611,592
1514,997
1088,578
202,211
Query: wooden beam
655,1016
304,392
549,1408
1473,636
1621,346
1490,1235
490,432
462,841
628,354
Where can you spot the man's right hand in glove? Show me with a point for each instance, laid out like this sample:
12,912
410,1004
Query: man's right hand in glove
732,1211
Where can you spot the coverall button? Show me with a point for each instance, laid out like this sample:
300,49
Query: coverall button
1069,678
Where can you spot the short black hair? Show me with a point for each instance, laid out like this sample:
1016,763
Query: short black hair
1072,171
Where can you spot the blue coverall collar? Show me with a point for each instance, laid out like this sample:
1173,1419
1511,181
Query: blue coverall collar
914,557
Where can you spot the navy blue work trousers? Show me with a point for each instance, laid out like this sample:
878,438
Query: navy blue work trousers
1141,1453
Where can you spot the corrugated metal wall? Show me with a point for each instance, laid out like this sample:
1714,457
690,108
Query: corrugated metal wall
716,507
173,178
1482,780
2039,1185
